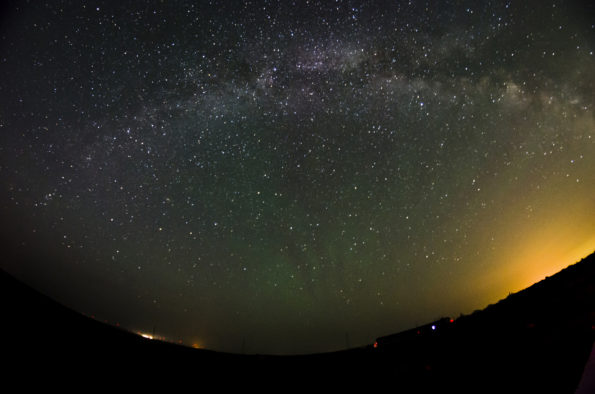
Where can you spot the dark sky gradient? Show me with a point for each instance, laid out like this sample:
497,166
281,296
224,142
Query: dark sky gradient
294,177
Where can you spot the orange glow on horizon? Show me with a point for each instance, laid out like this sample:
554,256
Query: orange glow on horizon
546,260
529,249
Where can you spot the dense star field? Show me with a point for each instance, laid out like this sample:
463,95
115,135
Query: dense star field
294,177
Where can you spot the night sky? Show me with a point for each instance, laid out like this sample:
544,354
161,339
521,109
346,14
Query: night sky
294,177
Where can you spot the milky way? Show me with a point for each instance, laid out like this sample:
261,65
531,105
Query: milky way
294,177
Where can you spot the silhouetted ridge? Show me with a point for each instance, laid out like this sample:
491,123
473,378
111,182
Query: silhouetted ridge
536,340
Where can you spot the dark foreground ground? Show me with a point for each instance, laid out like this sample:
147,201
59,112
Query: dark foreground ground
534,341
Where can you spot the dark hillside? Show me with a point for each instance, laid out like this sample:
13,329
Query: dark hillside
537,340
